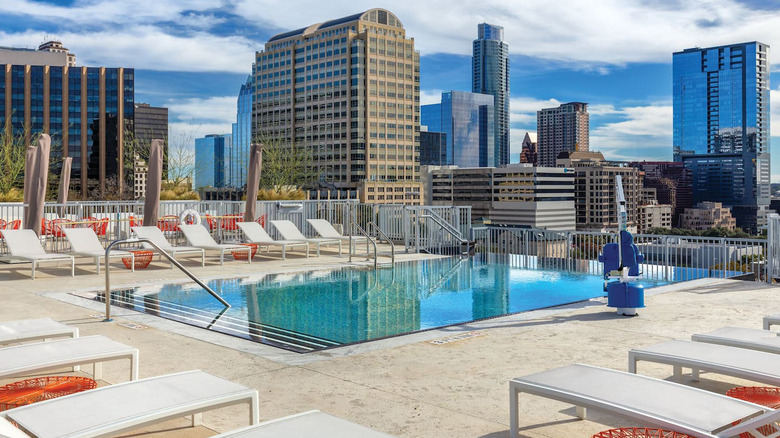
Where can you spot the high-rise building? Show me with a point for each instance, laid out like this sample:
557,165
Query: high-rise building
595,195
433,148
212,161
467,120
721,126
490,75
242,137
149,123
85,110
347,90
529,152
672,184
518,194
561,129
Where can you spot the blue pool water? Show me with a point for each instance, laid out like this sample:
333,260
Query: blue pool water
325,308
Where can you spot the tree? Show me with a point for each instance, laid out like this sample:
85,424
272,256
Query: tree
286,166
178,156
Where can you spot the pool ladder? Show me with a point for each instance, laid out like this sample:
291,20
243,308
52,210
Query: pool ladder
173,261
373,242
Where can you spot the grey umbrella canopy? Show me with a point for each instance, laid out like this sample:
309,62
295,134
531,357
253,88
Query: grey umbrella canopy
30,158
62,195
39,178
153,184
253,181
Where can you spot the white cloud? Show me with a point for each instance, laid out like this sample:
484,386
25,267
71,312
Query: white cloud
148,47
590,34
585,35
195,117
644,134
428,97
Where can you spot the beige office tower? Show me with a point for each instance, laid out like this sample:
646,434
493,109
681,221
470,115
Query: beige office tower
349,91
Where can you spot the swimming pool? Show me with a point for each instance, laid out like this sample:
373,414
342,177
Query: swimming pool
320,309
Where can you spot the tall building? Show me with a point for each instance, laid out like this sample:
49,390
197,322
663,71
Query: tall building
518,194
721,126
529,152
433,148
467,120
212,161
242,136
672,184
149,123
595,195
707,215
348,90
490,75
561,129
85,110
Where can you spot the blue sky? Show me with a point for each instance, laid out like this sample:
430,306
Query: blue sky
614,54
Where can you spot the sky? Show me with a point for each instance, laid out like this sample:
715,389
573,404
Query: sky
192,56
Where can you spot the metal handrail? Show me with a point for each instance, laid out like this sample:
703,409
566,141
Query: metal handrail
445,224
368,239
444,227
162,253
382,233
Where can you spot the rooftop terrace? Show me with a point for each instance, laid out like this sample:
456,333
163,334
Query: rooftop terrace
405,386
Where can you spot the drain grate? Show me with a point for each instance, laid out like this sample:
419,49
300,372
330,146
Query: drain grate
461,337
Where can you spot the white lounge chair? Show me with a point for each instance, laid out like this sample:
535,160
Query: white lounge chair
84,242
752,339
305,424
656,402
199,237
26,359
753,365
24,244
326,230
111,410
255,233
771,320
289,231
156,235
33,330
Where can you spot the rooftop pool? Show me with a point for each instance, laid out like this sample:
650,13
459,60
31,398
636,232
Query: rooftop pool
315,310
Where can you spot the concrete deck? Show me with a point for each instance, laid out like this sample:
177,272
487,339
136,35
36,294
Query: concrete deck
405,386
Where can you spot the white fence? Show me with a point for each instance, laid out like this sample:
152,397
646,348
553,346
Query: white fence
113,220
671,258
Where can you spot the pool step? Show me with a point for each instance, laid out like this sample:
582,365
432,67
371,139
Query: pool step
223,323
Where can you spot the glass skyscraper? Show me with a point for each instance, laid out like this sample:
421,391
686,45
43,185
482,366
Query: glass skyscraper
212,161
85,110
721,126
490,75
242,137
468,121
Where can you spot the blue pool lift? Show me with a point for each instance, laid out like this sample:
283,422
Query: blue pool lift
621,265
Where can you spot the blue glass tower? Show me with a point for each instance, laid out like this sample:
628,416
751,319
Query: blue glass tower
242,133
468,121
212,160
721,126
490,75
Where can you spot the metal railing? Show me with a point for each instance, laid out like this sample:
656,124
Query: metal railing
369,240
436,229
671,258
220,217
174,262
380,233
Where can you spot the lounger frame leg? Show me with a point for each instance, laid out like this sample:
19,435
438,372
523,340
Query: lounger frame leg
695,374
134,366
254,410
72,267
32,274
284,252
97,370
197,419
513,411
677,373
582,412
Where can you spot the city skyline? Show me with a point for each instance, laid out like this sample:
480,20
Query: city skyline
194,58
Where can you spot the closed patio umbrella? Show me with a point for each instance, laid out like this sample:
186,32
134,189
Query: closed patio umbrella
39,177
62,195
30,158
253,181
153,184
